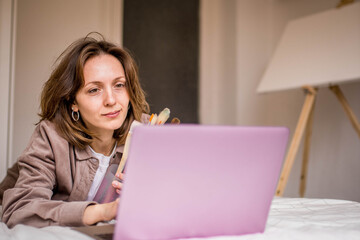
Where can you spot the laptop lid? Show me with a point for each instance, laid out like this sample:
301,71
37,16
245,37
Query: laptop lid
198,181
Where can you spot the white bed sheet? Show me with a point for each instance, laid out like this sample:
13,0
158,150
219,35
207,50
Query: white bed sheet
289,218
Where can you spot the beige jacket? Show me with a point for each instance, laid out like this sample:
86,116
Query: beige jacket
53,183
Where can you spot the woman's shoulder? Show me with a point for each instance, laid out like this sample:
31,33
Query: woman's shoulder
44,141
47,129
46,124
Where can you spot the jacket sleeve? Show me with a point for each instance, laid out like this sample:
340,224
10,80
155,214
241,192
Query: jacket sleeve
9,181
29,201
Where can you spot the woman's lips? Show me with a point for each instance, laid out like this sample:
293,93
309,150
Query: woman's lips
112,114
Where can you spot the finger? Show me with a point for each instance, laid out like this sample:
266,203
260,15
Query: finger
116,184
120,176
118,173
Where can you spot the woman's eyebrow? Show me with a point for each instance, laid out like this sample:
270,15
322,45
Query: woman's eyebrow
123,78
93,82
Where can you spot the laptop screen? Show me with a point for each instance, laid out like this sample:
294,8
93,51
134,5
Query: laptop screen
198,181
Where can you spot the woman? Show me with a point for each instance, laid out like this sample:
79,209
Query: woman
87,107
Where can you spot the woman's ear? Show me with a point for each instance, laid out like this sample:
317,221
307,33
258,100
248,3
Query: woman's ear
74,107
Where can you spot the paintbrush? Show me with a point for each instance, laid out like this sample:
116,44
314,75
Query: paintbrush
126,147
163,116
175,121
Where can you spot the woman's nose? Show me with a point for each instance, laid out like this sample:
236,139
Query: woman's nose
109,98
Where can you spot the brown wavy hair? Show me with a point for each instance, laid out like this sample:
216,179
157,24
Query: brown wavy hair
67,78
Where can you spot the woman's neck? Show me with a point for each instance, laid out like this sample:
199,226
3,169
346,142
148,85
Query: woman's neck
103,145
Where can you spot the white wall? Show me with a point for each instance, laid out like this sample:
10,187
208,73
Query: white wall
252,29
334,165
6,17
217,62
43,30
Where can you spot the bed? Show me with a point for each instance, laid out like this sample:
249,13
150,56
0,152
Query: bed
289,218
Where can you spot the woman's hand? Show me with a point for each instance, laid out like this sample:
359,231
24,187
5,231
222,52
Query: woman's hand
106,211
100,212
117,184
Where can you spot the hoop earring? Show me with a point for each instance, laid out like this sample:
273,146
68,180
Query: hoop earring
77,117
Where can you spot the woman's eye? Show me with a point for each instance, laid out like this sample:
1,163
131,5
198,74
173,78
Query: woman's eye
120,85
93,90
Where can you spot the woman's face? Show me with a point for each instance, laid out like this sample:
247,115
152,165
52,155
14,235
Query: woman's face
103,100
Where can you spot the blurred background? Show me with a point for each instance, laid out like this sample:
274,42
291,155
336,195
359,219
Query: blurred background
201,58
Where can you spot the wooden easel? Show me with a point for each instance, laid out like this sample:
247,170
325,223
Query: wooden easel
304,125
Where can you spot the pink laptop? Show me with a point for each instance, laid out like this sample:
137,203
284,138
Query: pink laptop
186,181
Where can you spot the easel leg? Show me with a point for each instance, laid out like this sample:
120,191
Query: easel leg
346,107
294,146
305,162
